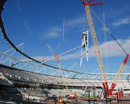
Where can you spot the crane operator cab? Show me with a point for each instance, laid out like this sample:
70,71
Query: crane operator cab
84,37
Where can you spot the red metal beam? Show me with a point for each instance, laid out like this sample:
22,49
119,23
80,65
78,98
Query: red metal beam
105,87
89,3
114,84
126,59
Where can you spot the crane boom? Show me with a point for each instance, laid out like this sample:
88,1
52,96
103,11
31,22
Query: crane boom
118,74
58,62
95,43
121,69
97,51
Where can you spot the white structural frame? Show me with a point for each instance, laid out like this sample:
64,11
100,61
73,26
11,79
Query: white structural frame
28,65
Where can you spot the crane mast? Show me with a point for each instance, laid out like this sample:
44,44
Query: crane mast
95,43
97,52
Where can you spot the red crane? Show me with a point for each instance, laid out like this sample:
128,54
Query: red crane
95,43
58,62
97,51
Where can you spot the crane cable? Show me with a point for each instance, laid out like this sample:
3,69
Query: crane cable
64,32
105,38
118,43
63,27
108,31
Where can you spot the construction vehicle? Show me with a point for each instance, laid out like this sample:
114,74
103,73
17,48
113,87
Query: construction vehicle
107,91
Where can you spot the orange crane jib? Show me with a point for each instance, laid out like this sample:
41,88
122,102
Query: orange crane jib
89,3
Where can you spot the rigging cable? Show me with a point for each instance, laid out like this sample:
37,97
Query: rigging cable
64,32
64,11
105,38
63,27
109,31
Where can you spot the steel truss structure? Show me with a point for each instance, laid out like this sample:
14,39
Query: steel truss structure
28,65
34,65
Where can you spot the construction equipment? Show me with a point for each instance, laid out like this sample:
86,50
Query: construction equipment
95,43
118,76
97,52
85,91
58,62
119,71
84,37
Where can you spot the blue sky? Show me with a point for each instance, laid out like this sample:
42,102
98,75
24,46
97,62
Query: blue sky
34,21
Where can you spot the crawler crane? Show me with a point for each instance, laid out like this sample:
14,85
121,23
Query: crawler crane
97,51
95,43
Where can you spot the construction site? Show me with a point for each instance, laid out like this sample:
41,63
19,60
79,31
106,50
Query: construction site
50,84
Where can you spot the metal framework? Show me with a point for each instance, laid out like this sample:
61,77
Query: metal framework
97,51
95,43
28,65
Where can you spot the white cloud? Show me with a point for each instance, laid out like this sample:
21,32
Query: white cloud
57,29
52,35
111,47
126,45
76,22
122,21
70,56
53,32
104,29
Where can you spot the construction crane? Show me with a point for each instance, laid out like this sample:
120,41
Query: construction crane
58,62
118,76
97,52
120,69
95,42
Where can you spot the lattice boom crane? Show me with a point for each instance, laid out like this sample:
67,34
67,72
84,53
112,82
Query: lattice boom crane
58,62
95,42
98,55
118,75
